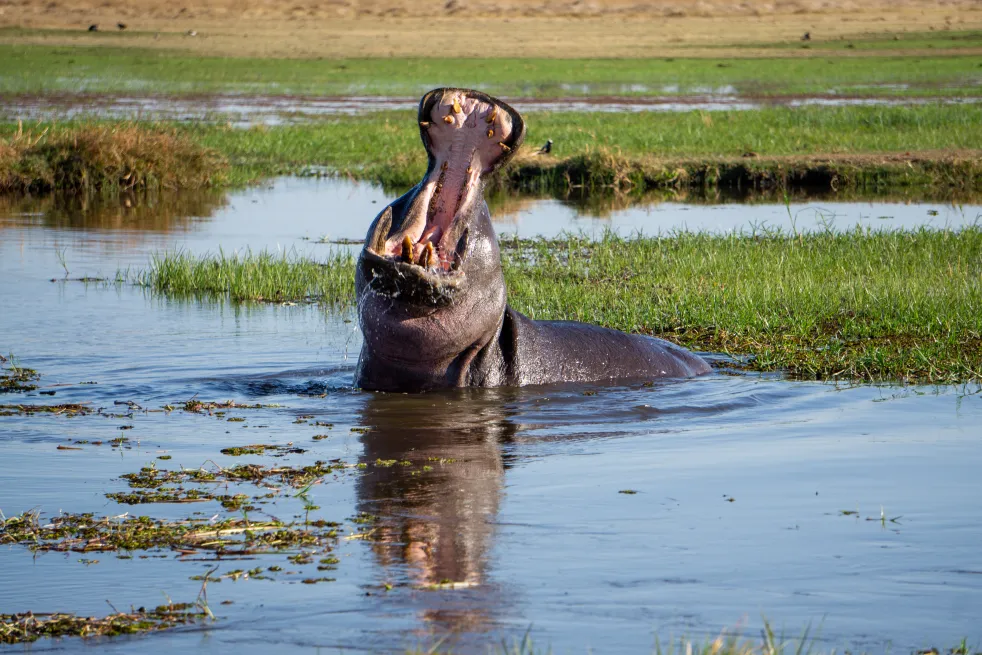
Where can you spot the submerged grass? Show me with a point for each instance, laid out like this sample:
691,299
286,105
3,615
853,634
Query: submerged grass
901,305
101,157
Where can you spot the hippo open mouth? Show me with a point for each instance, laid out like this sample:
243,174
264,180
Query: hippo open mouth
468,135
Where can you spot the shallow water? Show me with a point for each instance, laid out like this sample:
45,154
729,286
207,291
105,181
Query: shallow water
741,480
243,110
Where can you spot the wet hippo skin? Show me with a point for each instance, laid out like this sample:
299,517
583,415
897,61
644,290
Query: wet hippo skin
430,289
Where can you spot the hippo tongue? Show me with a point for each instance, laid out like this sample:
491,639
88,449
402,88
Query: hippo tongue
467,134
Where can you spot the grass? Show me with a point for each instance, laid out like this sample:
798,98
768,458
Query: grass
902,305
104,157
256,277
593,148
97,69
932,147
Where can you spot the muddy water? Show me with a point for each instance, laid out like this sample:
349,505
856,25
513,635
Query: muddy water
243,110
742,482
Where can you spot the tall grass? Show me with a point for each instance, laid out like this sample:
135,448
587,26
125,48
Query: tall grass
259,277
104,157
860,305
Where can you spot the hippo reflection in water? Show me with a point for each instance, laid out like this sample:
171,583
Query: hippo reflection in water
431,293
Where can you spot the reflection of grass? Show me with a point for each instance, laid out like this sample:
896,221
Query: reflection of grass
47,69
896,305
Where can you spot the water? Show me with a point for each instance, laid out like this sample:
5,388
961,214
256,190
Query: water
244,110
741,480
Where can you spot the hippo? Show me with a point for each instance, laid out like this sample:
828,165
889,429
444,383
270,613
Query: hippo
431,294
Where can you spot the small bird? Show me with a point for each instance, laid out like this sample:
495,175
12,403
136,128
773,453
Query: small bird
807,36
546,149
121,26
192,33
93,28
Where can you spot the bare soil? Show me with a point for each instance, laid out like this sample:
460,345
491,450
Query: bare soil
475,28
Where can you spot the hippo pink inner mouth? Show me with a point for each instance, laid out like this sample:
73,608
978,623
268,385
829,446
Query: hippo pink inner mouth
467,136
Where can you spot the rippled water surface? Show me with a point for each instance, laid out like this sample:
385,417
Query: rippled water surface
755,496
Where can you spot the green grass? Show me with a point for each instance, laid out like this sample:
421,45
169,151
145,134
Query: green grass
384,147
904,305
103,68
261,277
839,148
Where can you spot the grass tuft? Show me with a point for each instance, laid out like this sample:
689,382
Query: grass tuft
100,157
262,277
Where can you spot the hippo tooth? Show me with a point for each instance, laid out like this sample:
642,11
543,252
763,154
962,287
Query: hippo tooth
424,124
456,106
490,133
426,257
448,119
504,147
493,114
407,249
444,166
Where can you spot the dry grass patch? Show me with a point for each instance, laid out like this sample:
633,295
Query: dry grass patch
105,157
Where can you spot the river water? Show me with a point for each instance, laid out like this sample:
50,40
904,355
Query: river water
853,509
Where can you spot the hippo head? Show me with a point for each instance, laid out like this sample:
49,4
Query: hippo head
429,283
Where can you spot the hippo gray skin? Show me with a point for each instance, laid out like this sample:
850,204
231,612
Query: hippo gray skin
430,289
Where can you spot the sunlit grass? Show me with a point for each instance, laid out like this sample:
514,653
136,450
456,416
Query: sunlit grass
259,277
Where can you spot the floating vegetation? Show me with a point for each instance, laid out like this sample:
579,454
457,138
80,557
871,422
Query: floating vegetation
84,533
150,477
196,406
16,378
67,409
263,449
30,626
